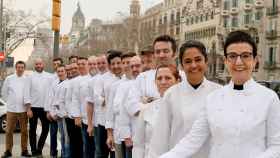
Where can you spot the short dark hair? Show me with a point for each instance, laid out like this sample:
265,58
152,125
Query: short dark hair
192,44
240,37
72,56
61,65
82,58
20,62
58,59
166,38
147,50
113,54
128,55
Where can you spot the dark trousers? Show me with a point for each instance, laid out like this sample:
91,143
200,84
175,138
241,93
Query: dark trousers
102,150
53,135
88,143
75,138
38,113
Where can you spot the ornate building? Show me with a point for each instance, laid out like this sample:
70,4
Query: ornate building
78,24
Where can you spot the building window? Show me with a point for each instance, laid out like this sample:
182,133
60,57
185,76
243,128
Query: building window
274,3
177,30
258,15
172,18
206,17
196,19
248,1
247,18
187,21
212,15
192,20
271,55
178,16
226,5
226,22
199,4
201,18
234,22
234,3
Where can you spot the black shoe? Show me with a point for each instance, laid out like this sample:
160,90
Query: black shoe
6,154
25,154
37,153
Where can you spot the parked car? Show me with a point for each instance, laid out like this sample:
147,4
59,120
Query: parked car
274,85
3,117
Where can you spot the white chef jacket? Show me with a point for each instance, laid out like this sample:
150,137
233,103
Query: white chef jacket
180,107
13,93
79,97
144,129
90,98
101,95
68,85
113,109
241,123
57,103
37,88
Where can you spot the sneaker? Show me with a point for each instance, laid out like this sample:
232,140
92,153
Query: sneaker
6,154
25,154
37,153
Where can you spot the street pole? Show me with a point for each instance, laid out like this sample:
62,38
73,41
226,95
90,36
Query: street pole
56,44
1,26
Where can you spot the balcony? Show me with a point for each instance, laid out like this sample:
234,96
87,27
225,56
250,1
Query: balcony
259,4
272,11
248,7
272,34
225,13
234,11
270,65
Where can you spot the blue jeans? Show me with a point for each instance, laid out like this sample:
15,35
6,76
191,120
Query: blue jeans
88,143
102,151
65,143
53,135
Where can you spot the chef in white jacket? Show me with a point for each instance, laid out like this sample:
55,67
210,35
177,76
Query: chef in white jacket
57,110
36,90
144,89
13,94
166,76
74,132
79,102
101,100
242,119
183,102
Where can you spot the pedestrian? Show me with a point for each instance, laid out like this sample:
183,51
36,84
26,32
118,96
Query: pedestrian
101,101
79,103
57,110
53,123
113,111
183,102
166,76
144,88
73,131
242,118
95,112
37,86
13,95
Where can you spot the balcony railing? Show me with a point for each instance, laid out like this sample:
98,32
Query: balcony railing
272,11
272,34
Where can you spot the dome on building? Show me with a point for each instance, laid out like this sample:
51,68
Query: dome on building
78,21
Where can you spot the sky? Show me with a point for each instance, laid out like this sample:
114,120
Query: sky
102,9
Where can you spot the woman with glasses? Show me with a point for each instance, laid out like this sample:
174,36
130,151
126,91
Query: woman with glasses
242,118
182,103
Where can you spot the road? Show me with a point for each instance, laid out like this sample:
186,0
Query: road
17,148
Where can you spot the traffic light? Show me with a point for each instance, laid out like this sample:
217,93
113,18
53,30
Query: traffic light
56,10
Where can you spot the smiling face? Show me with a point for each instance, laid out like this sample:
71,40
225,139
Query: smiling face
194,65
116,66
163,53
240,62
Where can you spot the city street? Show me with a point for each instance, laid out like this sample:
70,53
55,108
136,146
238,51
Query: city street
16,148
